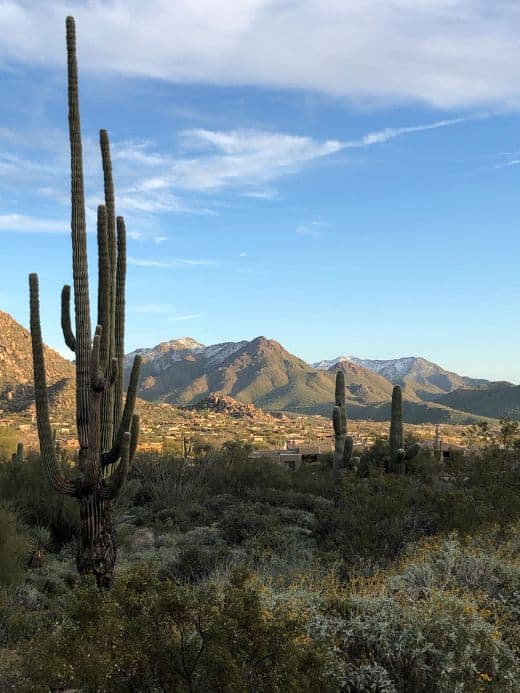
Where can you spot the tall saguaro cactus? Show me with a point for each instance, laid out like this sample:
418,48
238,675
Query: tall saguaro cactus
107,430
398,454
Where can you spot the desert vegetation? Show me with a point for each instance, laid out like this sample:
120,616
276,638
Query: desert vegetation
237,574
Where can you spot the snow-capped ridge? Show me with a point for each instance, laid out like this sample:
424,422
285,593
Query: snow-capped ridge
217,353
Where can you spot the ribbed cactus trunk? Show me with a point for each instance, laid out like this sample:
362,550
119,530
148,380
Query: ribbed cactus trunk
339,422
396,440
398,454
343,443
107,432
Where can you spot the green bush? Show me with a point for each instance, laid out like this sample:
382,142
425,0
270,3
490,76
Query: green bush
201,551
149,635
14,548
437,644
251,522
26,488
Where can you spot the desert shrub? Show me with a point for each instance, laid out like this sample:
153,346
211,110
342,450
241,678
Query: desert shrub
368,678
220,504
11,676
293,516
150,635
200,552
490,483
476,570
310,479
293,499
195,563
25,487
436,644
238,475
167,482
377,518
247,522
14,548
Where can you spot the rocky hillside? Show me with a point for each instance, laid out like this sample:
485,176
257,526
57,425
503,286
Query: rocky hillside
16,377
494,401
223,404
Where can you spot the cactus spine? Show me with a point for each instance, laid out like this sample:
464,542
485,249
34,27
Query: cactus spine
107,430
398,454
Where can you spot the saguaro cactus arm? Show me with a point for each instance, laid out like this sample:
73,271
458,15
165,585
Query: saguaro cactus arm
412,451
115,482
134,437
66,325
56,477
119,325
347,451
125,424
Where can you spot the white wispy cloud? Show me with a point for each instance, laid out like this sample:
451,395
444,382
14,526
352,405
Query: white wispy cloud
152,182
174,262
28,224
246,160
445,53
237,158
506,164
192,316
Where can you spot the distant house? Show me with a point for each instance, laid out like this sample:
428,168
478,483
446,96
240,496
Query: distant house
292,457
446,448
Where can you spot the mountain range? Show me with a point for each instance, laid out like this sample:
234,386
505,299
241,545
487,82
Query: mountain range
263,373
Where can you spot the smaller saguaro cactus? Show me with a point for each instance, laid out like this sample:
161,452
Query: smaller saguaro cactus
398,454
339,421
344,444
437,443
19,455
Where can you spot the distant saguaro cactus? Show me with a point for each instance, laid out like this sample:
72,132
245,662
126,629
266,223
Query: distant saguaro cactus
107,430
19,455
398,454
344,444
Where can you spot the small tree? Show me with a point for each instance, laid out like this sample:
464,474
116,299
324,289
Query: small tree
107,431
508,431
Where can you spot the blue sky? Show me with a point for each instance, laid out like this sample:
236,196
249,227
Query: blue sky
340,176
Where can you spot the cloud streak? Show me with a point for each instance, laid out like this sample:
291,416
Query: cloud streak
382,136
192,316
